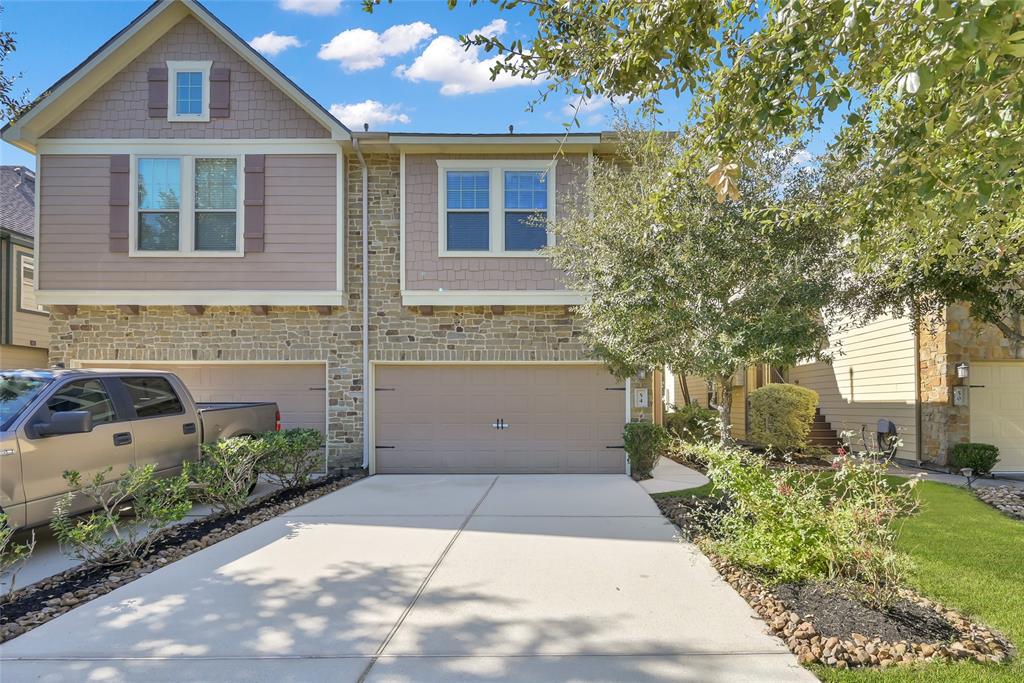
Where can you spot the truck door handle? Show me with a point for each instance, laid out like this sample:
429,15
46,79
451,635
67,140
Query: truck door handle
188,428
122,438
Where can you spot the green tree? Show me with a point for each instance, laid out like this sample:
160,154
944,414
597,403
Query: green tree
680,279
11,105
932,98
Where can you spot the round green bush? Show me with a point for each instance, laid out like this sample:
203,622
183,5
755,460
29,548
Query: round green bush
980,457
645,442
781,416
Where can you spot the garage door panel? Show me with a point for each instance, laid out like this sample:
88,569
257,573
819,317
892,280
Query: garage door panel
299,389
997,411
560,418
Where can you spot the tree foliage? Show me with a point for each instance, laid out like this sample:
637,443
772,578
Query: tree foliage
11,105
932,98
679,279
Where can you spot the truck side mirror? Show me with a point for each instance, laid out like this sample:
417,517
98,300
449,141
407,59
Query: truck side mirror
68,422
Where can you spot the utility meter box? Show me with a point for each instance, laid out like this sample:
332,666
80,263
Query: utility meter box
959,396
640,398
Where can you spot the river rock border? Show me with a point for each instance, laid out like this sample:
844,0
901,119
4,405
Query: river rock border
119,576
976,642
1007,499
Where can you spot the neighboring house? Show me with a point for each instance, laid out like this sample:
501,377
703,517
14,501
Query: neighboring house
886,371
200,213
24,322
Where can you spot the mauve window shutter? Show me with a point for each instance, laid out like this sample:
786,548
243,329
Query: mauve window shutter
255,192
120,187
220,93
157,77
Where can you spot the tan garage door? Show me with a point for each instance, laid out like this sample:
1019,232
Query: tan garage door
298,389
997,410
441,418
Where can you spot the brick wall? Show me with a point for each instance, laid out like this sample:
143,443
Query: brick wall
119,108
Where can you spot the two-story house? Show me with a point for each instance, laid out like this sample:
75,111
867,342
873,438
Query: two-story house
198,212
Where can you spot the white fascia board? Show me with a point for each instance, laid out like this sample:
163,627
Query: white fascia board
493,298
190,297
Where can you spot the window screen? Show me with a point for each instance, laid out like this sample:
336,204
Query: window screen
216,188
526,206
468,208
152,396
86,394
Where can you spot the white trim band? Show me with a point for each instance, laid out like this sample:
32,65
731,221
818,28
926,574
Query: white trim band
191,297
493,298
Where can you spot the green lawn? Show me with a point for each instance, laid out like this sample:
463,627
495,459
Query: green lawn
967,556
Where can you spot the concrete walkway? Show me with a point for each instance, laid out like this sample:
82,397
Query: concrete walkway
668,475
426,578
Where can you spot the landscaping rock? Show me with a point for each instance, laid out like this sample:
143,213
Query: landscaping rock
1007,499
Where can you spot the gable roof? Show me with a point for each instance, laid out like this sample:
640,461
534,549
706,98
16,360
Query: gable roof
76,86
17,200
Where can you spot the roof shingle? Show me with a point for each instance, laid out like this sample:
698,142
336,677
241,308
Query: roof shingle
17,199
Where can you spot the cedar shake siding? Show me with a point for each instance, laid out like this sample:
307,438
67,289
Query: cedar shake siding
301,233
121,107
425,270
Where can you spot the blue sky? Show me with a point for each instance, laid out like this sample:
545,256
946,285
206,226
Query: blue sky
398,68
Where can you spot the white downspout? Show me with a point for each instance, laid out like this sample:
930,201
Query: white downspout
366,306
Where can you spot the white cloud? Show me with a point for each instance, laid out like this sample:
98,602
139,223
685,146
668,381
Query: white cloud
320,8
460,71
589,110
368,111
359,49
273,44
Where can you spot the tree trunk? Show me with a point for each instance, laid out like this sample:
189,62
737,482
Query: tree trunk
722,391
685,389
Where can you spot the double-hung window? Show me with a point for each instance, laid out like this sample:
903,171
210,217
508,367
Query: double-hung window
188,91
494,208
27,285
187,206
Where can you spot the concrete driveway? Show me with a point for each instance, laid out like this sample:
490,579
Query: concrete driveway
426,578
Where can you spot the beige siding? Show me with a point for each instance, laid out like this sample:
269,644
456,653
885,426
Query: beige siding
29,326
12,357
119,108
425,270
872,377
301,233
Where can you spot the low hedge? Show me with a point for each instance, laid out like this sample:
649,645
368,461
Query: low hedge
781,416
645,442
980,457
692,423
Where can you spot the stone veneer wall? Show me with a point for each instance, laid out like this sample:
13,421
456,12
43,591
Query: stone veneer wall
960,339
396,333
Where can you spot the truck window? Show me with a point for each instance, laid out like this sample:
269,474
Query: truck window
152,396
84,394
17,390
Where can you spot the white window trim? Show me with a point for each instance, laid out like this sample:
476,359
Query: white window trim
187,212
173,68
27,260
497,167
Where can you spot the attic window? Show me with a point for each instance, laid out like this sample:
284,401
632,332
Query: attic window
188,91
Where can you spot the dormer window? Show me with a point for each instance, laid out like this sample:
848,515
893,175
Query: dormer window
188,91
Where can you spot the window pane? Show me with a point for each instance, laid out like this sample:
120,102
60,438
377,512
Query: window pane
158,231
468,231
525,231
469,189
152,396
215,231
526,190
189,88
87,394
216,183
159,183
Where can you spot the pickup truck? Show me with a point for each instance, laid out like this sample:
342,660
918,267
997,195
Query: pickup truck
89,420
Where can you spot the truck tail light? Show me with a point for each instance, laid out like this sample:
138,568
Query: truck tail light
277,420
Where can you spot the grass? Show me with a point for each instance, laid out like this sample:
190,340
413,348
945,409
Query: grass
967,556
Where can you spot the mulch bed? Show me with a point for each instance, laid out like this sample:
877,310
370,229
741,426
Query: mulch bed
823,624
40,602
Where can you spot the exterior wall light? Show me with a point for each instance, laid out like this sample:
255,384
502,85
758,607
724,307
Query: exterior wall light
962,370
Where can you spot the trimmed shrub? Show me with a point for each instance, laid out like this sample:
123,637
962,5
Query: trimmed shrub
292,456
692,423
12,555
980,457
645,441
226,472
781,416
127,513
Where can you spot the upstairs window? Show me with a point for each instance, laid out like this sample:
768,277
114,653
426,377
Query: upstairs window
494,208
27,285
187,206
188,91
